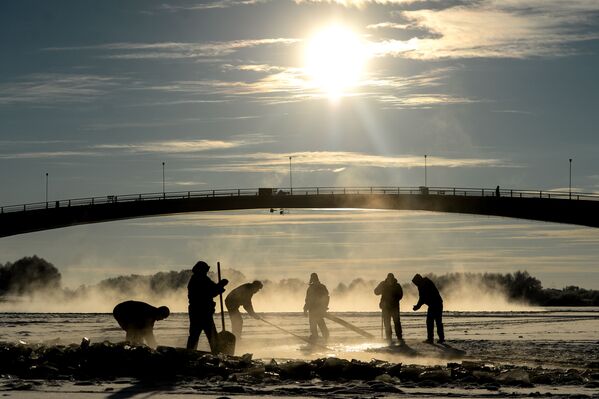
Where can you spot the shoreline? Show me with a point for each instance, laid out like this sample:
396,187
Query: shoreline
110,368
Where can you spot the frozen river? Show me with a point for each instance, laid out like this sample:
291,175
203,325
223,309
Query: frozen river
549,337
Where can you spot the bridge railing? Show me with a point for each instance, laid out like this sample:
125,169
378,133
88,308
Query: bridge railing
384,190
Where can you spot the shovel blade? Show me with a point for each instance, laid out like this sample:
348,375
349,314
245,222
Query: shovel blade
225,342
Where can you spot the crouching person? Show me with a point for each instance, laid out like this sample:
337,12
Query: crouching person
137,319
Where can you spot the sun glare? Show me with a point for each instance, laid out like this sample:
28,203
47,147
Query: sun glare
335,60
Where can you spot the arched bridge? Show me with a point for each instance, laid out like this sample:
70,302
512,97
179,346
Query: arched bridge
548,206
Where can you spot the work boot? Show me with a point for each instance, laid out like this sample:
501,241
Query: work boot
428,341
401,342
441,341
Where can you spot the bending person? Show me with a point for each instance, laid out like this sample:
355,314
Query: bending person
241,296
317,304
137,319
391,293
201,290
429,295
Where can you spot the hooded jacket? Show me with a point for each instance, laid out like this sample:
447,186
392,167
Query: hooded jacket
429,294
201,289
317,297
241,296
390,292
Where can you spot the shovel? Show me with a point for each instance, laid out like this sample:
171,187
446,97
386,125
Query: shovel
295,335
225,340
349,326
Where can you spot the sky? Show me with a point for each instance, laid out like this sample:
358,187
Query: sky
100,94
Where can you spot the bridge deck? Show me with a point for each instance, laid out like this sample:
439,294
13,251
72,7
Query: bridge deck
548,206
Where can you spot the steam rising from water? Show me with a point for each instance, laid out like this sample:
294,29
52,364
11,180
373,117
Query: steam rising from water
466,293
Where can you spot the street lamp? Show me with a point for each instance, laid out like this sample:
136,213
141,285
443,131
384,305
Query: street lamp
425,185
46,188
570,181
290,177
163,190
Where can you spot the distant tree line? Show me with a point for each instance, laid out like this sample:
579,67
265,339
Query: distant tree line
30,275
521,286
27,275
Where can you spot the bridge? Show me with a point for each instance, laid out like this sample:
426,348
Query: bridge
548,206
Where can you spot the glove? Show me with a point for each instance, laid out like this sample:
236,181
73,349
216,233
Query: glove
224,282
416,308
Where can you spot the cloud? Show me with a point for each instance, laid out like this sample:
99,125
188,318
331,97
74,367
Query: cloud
276,85
493,28
512,111
335,161
361,3
48,154
172,147
52,88
484,28
387,25
254,67
175,50
176,146
424,100
210,5
186,183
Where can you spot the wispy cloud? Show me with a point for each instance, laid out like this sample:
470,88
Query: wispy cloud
423,101
210,5
275,85
336,161
512,111
57,88
48,154
176,146
361,3
175,50
494,28
484,28
171,147
388,25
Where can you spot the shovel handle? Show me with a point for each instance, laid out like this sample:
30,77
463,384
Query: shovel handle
222,309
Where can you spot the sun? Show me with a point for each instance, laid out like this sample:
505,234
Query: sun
335,59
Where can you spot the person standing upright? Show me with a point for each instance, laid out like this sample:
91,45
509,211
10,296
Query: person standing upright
201,290
391,293
316,306
429,295
241,296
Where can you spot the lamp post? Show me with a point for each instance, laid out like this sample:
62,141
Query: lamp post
570,181
46,188
163,190
425,185
290,177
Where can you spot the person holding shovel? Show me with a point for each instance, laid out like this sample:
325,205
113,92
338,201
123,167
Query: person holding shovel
241,296
316,306
201,290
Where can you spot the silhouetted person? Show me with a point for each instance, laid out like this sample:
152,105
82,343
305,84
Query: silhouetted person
241,296
429,295
201,290
317,304
137,319
391,293
497,192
